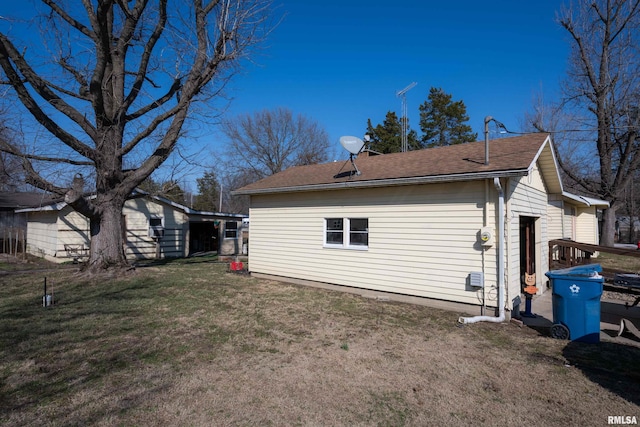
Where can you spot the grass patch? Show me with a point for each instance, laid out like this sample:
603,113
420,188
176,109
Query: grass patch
619,262
389,409
186,342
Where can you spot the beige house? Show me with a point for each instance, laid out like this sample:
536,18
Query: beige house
436,223
575,218
153,227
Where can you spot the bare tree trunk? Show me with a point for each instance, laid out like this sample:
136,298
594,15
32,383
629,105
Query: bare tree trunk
608,227
118,91
106,239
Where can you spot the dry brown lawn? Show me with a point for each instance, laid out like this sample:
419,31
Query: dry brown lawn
190,344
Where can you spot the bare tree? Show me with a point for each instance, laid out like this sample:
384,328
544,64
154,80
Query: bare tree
576,151
122,79
230,181
602,93
11,178
9,173
268,142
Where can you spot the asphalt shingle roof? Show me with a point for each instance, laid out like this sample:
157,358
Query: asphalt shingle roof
506,154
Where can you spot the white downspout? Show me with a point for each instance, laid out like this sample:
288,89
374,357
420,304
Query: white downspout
501,253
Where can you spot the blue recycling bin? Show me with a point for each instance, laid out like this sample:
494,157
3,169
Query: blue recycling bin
576,294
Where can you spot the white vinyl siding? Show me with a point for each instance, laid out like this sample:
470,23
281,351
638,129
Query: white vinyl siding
42,238
139,244
423,240
73,234
554,218
58,235
569,222
587,225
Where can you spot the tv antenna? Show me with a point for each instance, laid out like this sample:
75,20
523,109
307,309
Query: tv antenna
405,125
354,146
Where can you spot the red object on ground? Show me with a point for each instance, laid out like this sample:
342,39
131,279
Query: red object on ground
638,244
236,266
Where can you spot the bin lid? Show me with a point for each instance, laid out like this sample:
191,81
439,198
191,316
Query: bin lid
583,271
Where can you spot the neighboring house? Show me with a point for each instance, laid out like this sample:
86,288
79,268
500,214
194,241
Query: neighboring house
153,227
10,201
432,223
575,218
13,226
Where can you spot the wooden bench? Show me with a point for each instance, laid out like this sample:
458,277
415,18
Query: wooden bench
76,251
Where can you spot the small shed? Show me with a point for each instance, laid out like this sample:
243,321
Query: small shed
153,227
438,223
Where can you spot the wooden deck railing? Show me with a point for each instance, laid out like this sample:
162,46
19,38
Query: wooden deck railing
567,253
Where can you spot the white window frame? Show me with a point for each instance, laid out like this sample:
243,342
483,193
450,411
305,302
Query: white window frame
346,234
224,233
155,218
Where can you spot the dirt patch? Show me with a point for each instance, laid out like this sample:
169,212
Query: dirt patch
620,296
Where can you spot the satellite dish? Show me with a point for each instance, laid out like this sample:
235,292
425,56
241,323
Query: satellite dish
352,144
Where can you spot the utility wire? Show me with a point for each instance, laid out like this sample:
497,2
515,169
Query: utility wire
503,127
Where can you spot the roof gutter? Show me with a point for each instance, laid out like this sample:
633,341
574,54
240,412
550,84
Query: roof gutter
387,182
134,194
49,207
588,201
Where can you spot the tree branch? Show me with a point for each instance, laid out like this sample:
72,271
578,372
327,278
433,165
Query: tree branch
144,60
7,54
157,121
175,87
5,147
634,8
74,197
84,85
35,179
67,18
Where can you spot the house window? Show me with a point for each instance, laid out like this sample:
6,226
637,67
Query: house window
335,231
230,229
350,233
359,231
156,228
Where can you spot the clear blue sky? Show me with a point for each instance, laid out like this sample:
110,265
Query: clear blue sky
342,62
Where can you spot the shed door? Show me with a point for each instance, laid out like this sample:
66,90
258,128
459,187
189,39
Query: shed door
527,246
203,237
